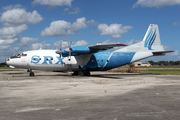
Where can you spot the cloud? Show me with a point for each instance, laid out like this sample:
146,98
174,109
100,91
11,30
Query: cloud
13,30
74,11
65,44
115,30
26,40
176,23
9,7
57,28
109,42
18,16
79,24
5,44
53,3
81,43
132,41
63,28
43,45
156,3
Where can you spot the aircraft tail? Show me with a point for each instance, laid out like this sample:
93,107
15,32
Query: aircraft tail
150,46
152,38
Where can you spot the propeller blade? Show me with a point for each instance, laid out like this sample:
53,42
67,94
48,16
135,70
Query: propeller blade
60,50
70,49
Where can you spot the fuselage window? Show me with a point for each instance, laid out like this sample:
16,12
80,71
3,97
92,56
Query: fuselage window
39,58
107,60
97,60
101,60
92,60
51,58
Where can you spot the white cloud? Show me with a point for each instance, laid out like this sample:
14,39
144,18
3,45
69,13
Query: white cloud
62,28
26,40
156,3
115,30
81,43
43,45
79,24
65,44
74,10
7,43
176,23
12,7
57,28
132,41
175,53
53,3
109,42
13,30
16,17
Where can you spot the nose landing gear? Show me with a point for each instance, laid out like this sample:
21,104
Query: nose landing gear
31,72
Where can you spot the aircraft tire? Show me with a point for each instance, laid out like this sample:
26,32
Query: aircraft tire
87,73
31,74
81,73
76,73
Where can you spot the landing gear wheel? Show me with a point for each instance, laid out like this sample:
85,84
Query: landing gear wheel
87,73
84,73
75,73
31,74
81,73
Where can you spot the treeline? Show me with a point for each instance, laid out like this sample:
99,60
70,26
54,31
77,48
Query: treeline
3,65
165,63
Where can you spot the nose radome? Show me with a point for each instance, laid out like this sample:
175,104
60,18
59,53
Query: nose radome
6,60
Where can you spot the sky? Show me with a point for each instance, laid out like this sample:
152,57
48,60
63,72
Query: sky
43,24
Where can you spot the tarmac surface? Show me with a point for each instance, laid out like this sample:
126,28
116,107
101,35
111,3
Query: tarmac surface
101,96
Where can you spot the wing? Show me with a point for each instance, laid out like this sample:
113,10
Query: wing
102,47
88,50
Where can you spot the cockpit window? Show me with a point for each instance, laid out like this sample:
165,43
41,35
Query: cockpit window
23,54
19,55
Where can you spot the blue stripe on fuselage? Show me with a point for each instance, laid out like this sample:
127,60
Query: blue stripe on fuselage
101,60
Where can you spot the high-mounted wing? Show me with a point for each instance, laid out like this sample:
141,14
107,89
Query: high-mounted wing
88,50
102,47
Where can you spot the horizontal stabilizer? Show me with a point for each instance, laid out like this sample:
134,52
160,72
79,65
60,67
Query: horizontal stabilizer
156,53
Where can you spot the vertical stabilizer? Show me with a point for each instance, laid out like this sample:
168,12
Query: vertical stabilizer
152,37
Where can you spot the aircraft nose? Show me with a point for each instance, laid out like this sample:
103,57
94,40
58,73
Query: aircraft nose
6,60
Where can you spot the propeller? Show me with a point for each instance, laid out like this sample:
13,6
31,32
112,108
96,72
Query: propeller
60,50
69,50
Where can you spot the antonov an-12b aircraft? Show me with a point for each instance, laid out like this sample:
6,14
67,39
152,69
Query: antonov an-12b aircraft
82,60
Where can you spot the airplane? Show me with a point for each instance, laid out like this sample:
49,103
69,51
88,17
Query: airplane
82,60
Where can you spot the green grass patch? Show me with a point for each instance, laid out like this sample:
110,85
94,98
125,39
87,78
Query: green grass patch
160,67
162,71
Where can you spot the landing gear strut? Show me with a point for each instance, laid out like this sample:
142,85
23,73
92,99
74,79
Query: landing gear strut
31,72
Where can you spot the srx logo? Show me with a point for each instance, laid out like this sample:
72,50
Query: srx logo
47,60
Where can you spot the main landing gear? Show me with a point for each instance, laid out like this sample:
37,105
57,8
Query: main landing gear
82,73
31,72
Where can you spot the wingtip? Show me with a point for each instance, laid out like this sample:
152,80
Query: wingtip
171,51
121,44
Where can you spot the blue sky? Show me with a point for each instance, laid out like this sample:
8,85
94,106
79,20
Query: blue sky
35,24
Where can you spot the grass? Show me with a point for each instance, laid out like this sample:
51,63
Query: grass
8,69
162,71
